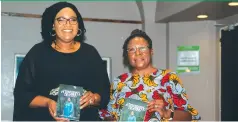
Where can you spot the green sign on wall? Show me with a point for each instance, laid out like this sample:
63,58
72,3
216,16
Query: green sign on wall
188,59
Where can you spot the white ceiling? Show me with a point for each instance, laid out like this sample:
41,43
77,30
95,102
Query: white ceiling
187,11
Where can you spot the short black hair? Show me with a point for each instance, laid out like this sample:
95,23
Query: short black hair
134,33
48,18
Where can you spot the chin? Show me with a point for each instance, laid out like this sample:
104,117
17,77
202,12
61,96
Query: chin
68,39
139,67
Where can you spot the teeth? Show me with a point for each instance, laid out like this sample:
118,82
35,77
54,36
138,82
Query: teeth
67,30
139,59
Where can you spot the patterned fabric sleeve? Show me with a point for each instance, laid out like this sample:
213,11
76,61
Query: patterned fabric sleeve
178,94
112,107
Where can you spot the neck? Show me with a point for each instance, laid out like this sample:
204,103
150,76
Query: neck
150,69
65,46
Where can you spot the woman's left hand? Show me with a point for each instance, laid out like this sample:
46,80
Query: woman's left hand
158,106
87,99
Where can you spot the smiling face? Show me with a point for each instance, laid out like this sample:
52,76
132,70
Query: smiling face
139,54
66,25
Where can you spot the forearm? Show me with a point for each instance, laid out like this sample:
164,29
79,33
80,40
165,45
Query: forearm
103,94
182,116
39,101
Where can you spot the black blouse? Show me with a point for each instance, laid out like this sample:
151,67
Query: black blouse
44,68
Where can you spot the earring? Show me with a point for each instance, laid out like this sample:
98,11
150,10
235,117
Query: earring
80,32
53,32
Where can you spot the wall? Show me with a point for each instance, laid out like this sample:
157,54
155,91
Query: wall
201,88
157,32
20,34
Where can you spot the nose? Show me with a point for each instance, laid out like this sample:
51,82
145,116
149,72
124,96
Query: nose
67,22
137,51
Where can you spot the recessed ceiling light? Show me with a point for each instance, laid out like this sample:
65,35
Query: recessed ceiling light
202,16
233,3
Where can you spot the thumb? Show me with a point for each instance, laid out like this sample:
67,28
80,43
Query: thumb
52,109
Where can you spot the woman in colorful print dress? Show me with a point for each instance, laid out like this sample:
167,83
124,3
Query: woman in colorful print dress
161,89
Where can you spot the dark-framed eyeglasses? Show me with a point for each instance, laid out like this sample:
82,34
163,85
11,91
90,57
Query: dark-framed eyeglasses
142,49
63,21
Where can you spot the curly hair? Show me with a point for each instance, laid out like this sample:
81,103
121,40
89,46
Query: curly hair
48,18
134,33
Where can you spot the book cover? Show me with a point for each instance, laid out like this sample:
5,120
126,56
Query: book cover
68,101
133,110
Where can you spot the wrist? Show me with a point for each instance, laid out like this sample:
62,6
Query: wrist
48,101
96,98
168,114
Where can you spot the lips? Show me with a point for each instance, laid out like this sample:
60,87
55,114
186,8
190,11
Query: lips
139,59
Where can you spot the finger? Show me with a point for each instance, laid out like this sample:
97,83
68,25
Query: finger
85,100
152,110
159,101
84,105
151,102
150,107
61,119
86,94
52,109
160,111
156,106
51,113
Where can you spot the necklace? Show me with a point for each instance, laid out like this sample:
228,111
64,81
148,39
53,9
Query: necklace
57,46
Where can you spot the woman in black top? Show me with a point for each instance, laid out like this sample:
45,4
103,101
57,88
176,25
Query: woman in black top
62,58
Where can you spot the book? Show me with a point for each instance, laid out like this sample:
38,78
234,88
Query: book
68,104
133,110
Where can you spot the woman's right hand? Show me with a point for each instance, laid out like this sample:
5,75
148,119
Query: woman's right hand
52,109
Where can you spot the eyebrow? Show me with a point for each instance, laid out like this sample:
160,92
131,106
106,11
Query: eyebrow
139,46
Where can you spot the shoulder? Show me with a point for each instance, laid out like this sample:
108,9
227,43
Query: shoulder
91,53
165,72
119,81
123,77
38,47
88,47
35,49
168,76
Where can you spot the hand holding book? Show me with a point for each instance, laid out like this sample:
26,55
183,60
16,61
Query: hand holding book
52,109
71,99
158,106
68,103
89,99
